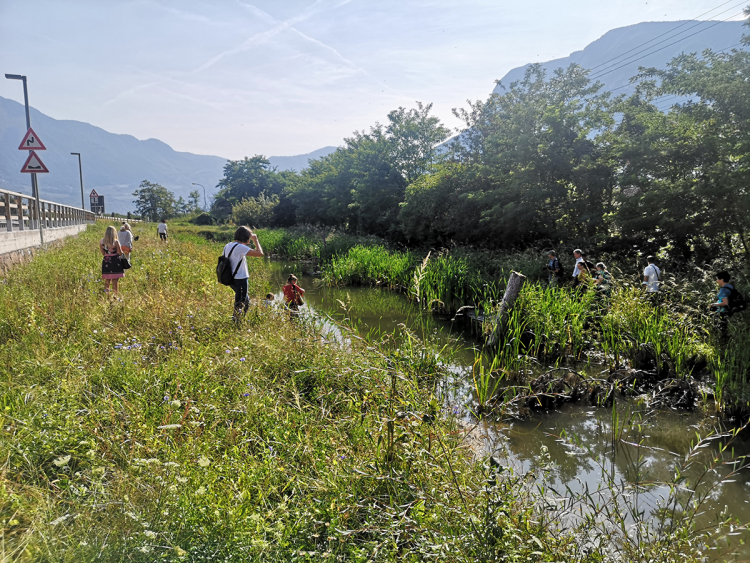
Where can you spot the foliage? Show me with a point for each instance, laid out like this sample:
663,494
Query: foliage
256,211
153,201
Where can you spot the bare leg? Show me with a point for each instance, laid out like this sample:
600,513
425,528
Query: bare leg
114,285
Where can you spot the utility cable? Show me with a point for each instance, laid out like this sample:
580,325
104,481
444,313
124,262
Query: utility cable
661,35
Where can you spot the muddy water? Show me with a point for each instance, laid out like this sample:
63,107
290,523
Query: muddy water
577,437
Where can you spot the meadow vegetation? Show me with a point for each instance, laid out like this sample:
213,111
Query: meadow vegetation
150,428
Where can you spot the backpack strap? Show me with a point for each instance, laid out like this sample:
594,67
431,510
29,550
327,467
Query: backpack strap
230,252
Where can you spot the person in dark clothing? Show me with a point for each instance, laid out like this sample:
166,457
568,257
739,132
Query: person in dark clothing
554,269
721,305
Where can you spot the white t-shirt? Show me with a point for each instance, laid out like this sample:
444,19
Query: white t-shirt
237,256
162,228
576,271
652,273
125,238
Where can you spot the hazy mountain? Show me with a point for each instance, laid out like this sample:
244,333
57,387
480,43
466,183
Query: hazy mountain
113,164
629,42
298,162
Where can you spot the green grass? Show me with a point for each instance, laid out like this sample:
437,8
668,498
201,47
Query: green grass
152,429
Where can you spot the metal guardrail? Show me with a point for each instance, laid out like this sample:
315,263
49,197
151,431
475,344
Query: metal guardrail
18,213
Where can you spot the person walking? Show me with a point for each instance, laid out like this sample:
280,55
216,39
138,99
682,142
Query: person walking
651,275
112,270
554,269
236,252
603,279
293,295
161,228
722,304
125,237
578,255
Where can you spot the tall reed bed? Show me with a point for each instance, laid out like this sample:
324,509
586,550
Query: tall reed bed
370,265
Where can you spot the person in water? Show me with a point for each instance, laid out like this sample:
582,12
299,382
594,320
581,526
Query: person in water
293,295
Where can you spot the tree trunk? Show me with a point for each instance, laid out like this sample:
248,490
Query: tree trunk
515,283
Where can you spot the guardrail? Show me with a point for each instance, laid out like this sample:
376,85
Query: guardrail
18,213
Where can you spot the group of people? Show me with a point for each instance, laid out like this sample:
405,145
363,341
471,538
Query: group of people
237,252
727,301
115,248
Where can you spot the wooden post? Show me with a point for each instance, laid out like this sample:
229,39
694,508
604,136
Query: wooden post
515,283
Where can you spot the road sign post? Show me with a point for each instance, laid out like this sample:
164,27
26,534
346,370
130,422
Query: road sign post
34,185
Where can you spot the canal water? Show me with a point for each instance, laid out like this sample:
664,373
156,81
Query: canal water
577,438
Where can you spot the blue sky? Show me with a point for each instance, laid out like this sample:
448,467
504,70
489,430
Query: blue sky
240,77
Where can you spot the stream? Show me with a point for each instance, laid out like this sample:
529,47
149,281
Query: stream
665,435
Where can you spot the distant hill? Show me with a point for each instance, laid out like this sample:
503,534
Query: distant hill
715,35
298,162
113,164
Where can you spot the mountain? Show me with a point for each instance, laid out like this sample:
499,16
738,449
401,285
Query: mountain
114,165
298,162
629,42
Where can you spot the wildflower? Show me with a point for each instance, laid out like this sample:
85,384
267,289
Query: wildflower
149,534
179,328
169,426
242,359
62,461
203,461
179,551
228,351
175,403
182,480
246,394
144,549
200,491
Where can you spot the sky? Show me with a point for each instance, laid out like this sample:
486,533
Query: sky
283,77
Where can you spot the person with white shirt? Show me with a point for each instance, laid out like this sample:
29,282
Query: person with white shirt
161,228
651,275
125,236
237,252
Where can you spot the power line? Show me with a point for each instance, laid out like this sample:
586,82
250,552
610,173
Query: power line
600,74
661,35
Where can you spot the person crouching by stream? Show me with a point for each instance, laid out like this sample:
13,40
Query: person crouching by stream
293,295
112,269
236,252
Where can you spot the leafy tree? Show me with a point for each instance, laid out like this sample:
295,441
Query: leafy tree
256,211
244,179
194,201
153,201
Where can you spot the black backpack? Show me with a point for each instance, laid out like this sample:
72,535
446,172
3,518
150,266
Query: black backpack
223,269
737,302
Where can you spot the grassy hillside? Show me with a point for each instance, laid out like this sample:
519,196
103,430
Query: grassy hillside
151,429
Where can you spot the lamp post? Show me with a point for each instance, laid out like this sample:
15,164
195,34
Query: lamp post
205,205
80,175
34,185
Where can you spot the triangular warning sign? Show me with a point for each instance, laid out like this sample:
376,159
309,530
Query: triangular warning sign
31,142
93,194
34,164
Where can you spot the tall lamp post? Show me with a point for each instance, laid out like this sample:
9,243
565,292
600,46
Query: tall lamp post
205,205
34,186
80,175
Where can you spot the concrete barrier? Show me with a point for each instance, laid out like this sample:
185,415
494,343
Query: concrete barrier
20,222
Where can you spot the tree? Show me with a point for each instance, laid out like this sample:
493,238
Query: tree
244,179
194,201
153,201
256,211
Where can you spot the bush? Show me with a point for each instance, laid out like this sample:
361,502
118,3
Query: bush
202,219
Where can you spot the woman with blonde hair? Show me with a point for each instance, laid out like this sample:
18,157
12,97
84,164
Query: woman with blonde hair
112,269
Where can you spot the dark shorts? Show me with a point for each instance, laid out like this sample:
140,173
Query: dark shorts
163,236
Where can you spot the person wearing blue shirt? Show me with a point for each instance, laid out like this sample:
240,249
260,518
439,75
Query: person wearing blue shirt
553,266
722,304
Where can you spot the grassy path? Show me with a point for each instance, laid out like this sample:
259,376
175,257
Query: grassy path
152,429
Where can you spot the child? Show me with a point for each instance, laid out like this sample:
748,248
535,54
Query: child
603,278
269,300
236,252
161,228
293,295
112,270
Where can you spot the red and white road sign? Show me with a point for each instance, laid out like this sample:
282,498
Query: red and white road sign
34,165
31,142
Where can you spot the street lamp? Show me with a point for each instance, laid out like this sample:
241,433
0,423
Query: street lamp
205,205
80,174
34,186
